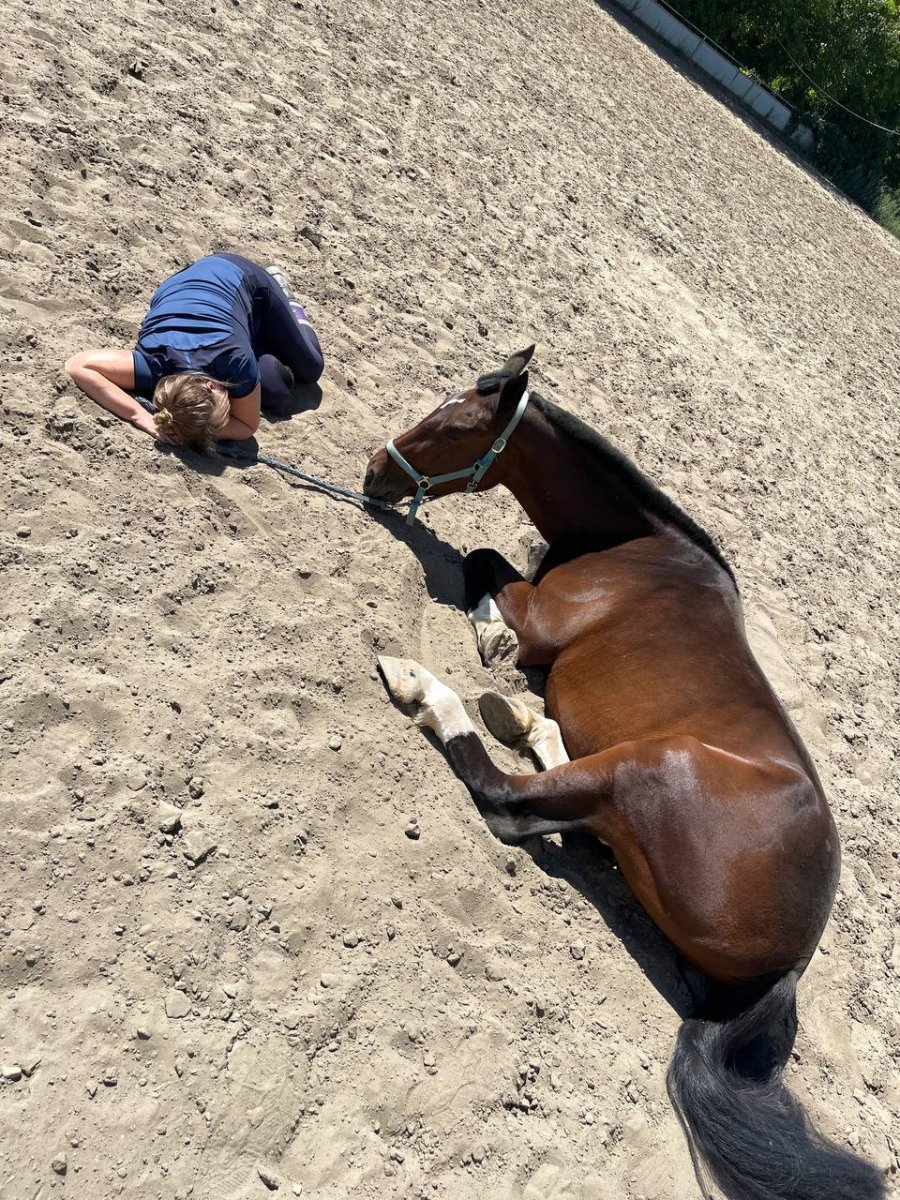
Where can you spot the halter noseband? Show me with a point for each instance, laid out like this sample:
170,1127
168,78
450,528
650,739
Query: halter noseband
477,471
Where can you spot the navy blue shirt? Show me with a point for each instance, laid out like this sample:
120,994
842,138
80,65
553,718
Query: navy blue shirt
205,318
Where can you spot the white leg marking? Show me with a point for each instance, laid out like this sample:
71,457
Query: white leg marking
433,703
494,637
511,720
546,742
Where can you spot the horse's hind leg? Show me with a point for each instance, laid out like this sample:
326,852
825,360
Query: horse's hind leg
511,721
495,597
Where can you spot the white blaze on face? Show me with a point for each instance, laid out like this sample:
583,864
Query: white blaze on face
452,400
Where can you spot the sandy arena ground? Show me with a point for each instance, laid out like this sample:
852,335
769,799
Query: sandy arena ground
282,984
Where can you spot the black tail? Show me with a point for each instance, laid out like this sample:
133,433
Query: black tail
740,1119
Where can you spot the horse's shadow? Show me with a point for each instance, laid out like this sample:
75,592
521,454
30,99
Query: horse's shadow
441,562
590,867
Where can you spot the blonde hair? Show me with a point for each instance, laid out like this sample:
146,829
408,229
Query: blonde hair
189,411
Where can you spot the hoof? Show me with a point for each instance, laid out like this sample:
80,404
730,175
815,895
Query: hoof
509,720
498,643
403,678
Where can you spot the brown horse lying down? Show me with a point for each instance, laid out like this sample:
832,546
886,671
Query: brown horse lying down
682,759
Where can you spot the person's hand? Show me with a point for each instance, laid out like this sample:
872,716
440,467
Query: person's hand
145,423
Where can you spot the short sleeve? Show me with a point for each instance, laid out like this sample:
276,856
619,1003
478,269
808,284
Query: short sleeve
239,371
144,381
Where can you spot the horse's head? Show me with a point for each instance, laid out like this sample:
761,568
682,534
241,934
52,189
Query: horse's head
454,447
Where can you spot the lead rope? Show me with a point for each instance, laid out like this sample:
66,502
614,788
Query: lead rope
288,469
231,451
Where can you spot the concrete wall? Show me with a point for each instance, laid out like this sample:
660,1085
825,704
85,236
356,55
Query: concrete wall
752,95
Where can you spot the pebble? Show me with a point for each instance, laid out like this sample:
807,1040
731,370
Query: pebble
412,831
143,1033
328,980
177,1005
351,940
197,846
335,742
60,1164
168,817
239,917
11,1072
270,1180
577,951
23,531
196,787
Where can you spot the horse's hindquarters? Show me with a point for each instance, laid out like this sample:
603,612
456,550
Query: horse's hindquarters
737,863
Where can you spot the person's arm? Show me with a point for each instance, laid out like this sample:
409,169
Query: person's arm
103,375
244,419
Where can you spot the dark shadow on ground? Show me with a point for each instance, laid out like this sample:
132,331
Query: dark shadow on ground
441,562
590,867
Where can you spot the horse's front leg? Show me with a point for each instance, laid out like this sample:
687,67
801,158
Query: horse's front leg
497,598
514,806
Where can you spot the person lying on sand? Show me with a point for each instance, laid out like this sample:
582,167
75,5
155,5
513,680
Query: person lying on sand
222,338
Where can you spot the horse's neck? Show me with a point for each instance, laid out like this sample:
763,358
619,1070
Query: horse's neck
565,490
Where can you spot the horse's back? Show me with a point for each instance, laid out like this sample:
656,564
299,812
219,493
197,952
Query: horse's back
646,644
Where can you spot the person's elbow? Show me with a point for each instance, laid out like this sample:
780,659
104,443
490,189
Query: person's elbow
76,364
240,430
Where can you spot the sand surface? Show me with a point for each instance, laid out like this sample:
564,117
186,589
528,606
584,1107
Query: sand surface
315,996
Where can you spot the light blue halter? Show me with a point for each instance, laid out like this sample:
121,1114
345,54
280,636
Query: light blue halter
477,471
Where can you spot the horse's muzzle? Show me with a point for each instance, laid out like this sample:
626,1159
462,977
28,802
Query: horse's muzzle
378,483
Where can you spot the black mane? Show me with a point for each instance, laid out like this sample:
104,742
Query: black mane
648,495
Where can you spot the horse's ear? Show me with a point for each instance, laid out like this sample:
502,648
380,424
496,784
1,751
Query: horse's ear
518,362
511,392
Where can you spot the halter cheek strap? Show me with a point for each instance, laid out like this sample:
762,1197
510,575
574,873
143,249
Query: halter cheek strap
474,474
